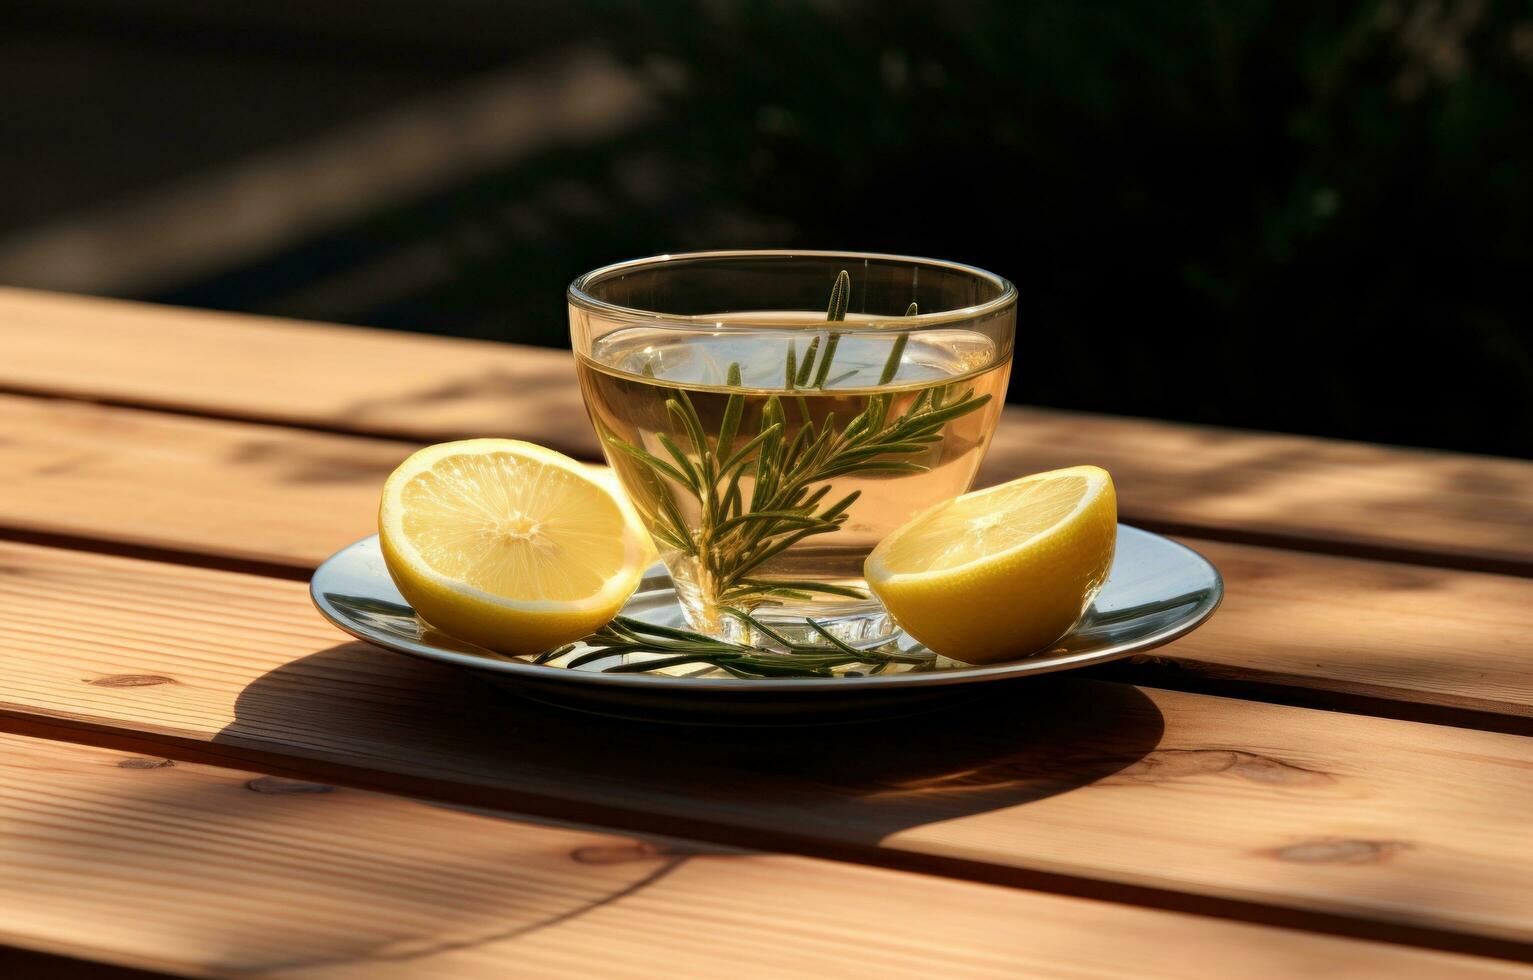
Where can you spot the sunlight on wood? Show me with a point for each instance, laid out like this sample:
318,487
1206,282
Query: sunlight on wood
254,669
308,880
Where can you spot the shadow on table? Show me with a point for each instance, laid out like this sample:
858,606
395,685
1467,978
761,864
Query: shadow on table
362,715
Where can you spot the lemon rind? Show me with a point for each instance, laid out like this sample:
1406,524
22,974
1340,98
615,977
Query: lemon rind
1097,480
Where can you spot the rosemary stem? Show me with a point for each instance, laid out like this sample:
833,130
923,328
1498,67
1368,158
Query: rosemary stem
695,480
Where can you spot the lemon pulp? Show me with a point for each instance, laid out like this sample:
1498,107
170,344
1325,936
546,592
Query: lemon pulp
509,545
1002,572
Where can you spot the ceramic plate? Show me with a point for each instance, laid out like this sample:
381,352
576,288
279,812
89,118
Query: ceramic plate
1158,590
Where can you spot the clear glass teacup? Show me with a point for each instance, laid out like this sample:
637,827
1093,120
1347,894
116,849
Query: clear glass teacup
774,414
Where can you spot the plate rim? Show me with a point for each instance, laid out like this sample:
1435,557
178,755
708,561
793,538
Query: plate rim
507,665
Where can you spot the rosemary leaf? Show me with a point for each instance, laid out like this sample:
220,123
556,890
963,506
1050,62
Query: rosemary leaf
937,417
766,554
734,407
654,462
841,506
802,378
755,624
790,474
816,497
732,496
678,522
639,626
831,343
668,537
785,520
644,665
689,418
868,452
695,480
831,638
841,590
840,297
891,466
671,647
744,453
592,657
554,654
803,409
892,365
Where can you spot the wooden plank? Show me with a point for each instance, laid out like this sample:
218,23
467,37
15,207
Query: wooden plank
229,873
1407,633
292,372
1350,498
257,493
1432,507
277,497
286,499
1367,826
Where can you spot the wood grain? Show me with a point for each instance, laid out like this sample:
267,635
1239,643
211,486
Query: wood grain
292,372
1349,823
227,873
234,491
1418,505
1351,498
1404,633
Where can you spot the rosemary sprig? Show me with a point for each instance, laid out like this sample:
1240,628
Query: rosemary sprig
735,532
677,647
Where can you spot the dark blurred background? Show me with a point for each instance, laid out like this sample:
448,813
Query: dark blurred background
1310,217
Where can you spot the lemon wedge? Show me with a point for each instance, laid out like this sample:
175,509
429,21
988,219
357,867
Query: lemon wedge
509,545
1002,572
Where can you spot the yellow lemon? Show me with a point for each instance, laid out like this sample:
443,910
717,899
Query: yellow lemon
1003,572
509,545
606,477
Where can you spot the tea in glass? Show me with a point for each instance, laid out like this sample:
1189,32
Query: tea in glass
768,449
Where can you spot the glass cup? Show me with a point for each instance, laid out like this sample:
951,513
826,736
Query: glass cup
774,415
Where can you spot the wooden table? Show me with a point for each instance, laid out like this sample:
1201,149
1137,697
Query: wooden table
201,777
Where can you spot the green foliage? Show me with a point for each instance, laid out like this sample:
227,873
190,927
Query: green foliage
1300,216
1307,217
676,647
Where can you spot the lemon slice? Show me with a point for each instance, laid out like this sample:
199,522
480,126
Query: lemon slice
509,545
1003,572
606,477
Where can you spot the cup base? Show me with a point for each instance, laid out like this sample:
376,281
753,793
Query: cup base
862,629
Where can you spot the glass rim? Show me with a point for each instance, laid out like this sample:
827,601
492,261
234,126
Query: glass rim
578,295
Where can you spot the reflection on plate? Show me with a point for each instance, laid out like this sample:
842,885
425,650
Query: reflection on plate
1158,590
